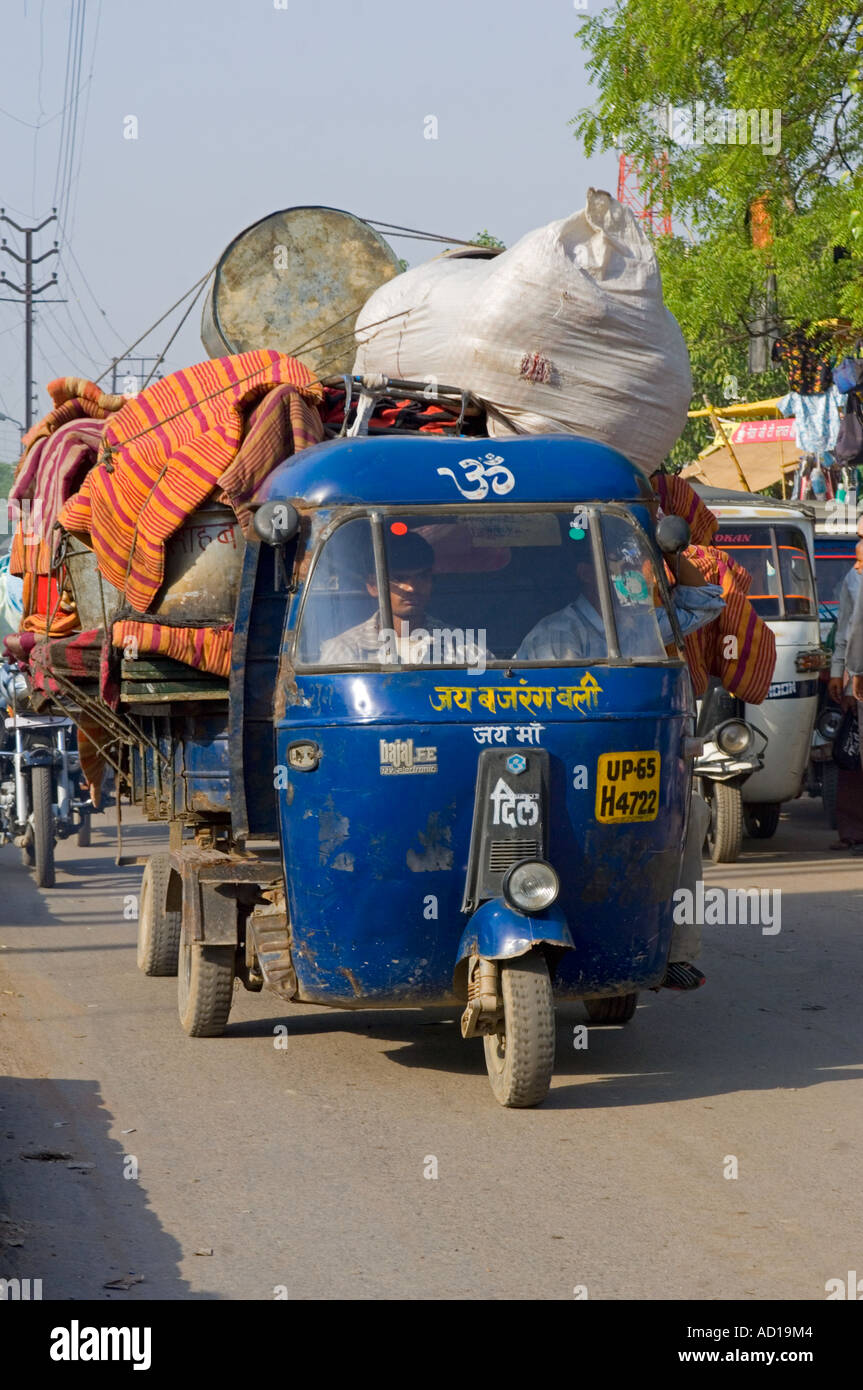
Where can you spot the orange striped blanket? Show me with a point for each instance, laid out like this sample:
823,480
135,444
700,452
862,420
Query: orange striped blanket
167,450
738,647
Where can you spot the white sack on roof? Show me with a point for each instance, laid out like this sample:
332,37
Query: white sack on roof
566,332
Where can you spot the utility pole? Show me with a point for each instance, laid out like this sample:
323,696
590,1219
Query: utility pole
29,291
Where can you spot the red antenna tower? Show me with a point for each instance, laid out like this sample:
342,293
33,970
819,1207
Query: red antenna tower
631,193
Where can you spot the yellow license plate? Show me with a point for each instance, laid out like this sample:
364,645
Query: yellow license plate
627,786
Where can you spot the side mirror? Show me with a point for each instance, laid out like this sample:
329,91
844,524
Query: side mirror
672,535
275,523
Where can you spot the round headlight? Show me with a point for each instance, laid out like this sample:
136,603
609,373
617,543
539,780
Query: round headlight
734,737
531,885
828,722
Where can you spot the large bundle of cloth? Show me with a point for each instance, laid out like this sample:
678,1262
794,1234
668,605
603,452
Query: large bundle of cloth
745,664
59,451
566,332
177,443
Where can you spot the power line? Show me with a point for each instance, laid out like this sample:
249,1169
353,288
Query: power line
62,201
77,349
160,359
55,370
66,245
161,319
88,86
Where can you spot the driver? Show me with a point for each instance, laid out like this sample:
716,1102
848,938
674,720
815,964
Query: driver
410,561
574,633
577,632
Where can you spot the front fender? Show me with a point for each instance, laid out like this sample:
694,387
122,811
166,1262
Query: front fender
497,932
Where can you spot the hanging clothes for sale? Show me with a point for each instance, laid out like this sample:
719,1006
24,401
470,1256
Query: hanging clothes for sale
816,419
807,361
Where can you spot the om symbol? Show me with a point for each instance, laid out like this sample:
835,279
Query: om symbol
481,473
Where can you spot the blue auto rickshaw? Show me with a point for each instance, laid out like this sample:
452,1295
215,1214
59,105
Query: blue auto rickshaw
455,762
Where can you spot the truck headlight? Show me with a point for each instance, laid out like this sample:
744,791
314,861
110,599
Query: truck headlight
734,737
531,885
828,722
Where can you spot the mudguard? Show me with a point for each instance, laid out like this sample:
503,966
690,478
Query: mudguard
497,932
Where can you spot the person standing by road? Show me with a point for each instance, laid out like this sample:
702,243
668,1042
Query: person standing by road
849,790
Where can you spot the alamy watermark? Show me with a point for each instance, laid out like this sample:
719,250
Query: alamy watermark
443,646
729,907
701,124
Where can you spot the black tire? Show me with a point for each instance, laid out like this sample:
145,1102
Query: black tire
520,1059
725,832
160,919
83,835
619,1009
41,783
205,987
829,790
762,818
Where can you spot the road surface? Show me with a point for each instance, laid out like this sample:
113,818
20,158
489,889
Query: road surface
234,1168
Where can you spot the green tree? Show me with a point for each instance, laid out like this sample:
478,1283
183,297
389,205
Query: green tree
737,110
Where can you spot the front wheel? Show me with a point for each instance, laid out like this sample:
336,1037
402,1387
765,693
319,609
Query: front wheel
520,1057
725,832
205,987
762,818
43,825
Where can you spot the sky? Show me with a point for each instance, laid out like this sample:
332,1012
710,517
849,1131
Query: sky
243,107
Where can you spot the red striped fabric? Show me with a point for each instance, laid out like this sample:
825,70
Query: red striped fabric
165,452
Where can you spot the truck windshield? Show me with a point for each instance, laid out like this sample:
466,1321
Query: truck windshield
536,588
830,570
777,561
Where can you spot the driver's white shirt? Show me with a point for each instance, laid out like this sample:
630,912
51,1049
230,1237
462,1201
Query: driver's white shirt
574,633
366,644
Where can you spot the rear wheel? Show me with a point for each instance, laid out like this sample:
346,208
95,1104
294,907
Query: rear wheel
619,1009
205,987
829,789
159,919
725,832
762,818
43,825
520,1058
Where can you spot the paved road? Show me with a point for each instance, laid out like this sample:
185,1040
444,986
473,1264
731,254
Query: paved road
302,1170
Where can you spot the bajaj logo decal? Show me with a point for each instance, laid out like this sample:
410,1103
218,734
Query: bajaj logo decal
400,756
514,808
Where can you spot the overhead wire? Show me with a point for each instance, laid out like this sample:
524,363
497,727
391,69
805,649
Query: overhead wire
88,87
161,319
61,201
163,355
78,350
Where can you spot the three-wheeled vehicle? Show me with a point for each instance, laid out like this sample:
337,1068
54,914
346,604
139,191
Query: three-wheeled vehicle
454,758
773,541
41,800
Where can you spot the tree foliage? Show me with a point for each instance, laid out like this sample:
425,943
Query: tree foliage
653,62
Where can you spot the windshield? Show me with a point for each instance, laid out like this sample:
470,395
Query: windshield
777,560
482,590
830,570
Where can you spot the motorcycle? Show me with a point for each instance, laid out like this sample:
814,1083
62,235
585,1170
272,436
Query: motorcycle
40,799
731,754
822,776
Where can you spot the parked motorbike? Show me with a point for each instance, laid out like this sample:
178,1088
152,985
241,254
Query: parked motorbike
822,775
731,754
40,797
